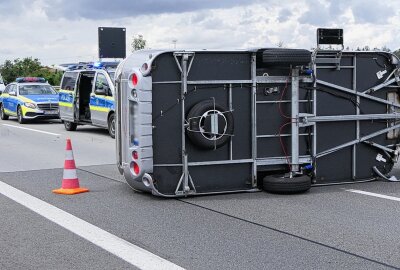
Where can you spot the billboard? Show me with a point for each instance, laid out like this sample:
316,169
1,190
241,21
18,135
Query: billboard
112,42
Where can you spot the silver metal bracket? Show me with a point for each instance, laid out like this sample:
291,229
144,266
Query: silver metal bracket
303,119
185,182
295,121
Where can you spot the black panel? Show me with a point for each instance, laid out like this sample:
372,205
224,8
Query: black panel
221,66
167,125
329,36
206,178
112,42
335,167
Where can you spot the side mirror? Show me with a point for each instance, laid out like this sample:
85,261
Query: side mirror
100,91
12,93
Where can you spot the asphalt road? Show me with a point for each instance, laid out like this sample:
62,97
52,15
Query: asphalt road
327,228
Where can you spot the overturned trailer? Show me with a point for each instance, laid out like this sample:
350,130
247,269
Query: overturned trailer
204,122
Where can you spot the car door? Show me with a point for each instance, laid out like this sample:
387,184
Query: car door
98,109
5,97
12,99
66,96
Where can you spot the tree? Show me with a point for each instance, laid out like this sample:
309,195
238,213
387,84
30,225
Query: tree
28,67
385,49
138,43
280,44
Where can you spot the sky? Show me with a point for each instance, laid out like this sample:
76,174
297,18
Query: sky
62,31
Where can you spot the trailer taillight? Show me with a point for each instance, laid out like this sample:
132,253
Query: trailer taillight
134,79
135,168
135,155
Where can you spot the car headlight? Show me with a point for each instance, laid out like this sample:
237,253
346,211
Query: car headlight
30,105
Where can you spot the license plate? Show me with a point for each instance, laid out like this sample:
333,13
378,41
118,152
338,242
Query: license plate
51,112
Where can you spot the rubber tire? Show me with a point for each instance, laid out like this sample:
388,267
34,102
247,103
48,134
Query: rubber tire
70,126
196,137
283,185
3,115
20,116
286,57
111,119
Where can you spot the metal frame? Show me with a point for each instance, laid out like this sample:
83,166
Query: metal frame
295,123
312,119
185,179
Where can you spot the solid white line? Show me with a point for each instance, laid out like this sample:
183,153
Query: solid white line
41,131
129,252
374,195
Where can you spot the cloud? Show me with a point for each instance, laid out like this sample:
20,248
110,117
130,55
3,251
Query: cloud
59,31
322,13
105,9
284,15
378,13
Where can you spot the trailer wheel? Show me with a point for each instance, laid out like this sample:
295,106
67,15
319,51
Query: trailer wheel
70,126
295,57
284,185
199,130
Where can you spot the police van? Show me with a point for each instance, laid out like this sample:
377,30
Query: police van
86,97
29,98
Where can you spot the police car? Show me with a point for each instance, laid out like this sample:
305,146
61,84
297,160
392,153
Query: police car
2,85
29,98
86,97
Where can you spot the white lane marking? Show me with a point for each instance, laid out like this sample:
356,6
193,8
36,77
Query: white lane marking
374,194
129,252
36,130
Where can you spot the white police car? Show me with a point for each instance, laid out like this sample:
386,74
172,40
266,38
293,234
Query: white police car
29,98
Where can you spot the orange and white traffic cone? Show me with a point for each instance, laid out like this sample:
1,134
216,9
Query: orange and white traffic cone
70,181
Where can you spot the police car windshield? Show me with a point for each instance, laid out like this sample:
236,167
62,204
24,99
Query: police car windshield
111,73
36,90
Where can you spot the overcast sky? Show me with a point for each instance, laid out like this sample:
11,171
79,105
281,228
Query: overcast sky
59,31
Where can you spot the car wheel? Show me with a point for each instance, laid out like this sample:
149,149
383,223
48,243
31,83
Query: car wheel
111,125
285,185
20,116
70,126
3,115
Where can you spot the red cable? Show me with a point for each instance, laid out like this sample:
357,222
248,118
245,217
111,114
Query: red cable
280,100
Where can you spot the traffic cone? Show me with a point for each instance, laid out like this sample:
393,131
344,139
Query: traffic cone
70,181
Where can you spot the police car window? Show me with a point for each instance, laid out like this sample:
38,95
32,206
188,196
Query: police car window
112,74
13,88
69,80
36,90
101,81
7,90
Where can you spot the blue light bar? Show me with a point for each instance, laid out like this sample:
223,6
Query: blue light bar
30,79
98,65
